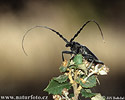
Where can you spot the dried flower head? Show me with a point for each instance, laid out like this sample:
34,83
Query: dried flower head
65,63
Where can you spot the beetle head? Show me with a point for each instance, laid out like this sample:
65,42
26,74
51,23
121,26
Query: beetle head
72,44
69,44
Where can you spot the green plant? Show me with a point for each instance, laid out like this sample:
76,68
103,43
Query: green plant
78,77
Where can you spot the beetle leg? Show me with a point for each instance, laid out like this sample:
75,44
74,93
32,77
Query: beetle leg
99,62
66,52
90,65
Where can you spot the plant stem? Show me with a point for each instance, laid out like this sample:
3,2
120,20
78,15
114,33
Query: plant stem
76,92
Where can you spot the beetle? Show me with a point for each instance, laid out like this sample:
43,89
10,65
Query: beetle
75,47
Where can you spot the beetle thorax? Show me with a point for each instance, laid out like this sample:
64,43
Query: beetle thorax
75,47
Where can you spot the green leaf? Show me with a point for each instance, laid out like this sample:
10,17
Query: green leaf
78,59
62,69
87,93
83,67
73,67
56,88
91,82
98,97
61,78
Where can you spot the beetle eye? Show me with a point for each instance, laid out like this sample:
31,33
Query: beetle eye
67,45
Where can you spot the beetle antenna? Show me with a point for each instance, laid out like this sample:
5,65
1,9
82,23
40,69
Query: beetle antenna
84,26
42,27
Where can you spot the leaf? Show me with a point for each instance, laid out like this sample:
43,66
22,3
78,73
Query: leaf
91,82
71,63
78,59
73,67
56,88
87,93
62,69
98,97
83,67
61,78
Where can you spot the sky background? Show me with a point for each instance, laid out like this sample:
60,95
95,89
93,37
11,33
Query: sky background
26,75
